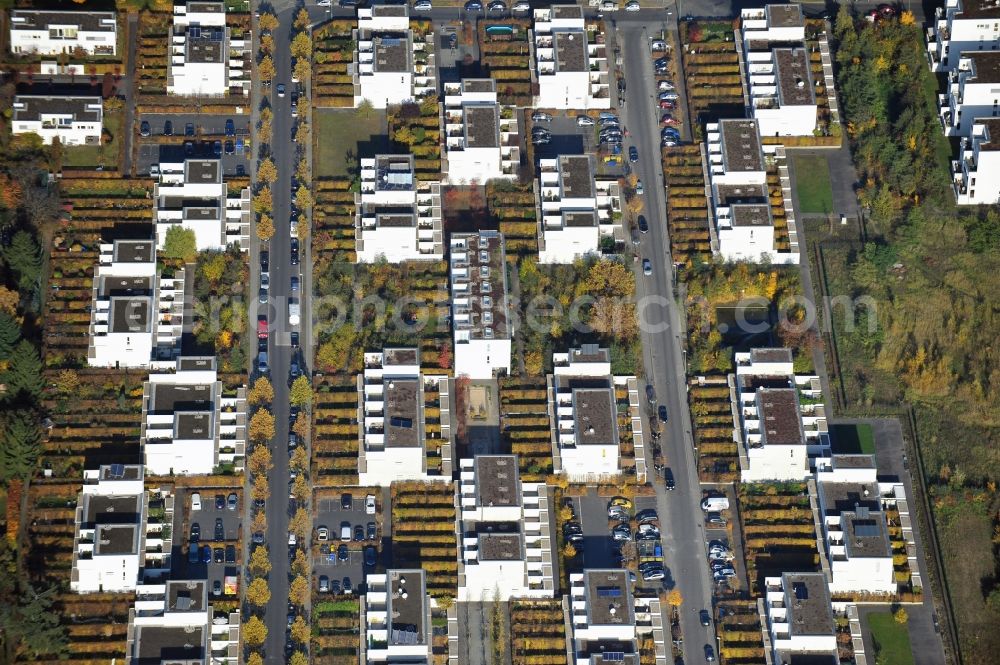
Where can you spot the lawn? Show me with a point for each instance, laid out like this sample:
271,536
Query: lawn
812,184
365,138
105,155
853,439
892,640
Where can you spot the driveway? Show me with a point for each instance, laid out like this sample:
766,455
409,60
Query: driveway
206,519
330,514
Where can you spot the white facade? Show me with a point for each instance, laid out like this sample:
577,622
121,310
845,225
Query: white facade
396,619
478,275
506,543
741,210
481,141
188,426
194,195
773,23
797,618
73,120
392,394
55,32
575,209
973,92
570,66
137,315
858,552
780,422
110,530
391,65
976,174
397,218
199,50
176,618
603,616
962,26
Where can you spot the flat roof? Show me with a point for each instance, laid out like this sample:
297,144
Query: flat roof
992,142
785,16
774,355
42,19
116,539
609,598
117,509
186,596
205,45
392,54
486,277
80,109
754,382
394,172
402,356
839,497
795,87
567,11
191,363
595,416
807,603
854,461
390,10
133,251
808,657
979,9
395,220
156,644
780,420
200,171
495,546
730,194
570,50
576,176
479,85
580,218
406,607
193,426
121,472
205,7
402,413
589,353
114,286
741,150
498,482
482,125
865,534
751,214
986,64
173,397
130,315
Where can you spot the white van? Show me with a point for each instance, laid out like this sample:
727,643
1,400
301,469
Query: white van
196,501
715,503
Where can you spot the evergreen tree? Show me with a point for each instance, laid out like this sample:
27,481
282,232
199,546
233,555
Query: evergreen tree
25,374
21,445
31,626
10,332
24,258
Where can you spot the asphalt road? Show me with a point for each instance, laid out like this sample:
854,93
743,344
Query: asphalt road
684,538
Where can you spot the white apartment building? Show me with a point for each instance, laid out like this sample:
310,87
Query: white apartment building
46,32
189,424
392,394
396,618
607,620
570,64
110,530
797,620
583,410
173,622
741,210
478,275
779,419
575,210
777,71
391,65
397,218
972,93
480,141
194,195
72,120
199,50
506,532
857,555
976,174
136,315
962,26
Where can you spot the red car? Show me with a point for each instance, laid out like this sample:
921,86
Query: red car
667,105
262,331
668,119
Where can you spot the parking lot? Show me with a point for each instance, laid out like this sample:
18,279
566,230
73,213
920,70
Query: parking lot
206,519
599,550
568,138
235,164
203,125
326,562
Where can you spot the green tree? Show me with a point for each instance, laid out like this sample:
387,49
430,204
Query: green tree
301,392
365,109
67,382
25,373
10,332
24,258
22,443
214,266
180,244
31,627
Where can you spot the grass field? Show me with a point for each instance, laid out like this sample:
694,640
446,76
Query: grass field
98,155
812,184
366,138
853,439
892,640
